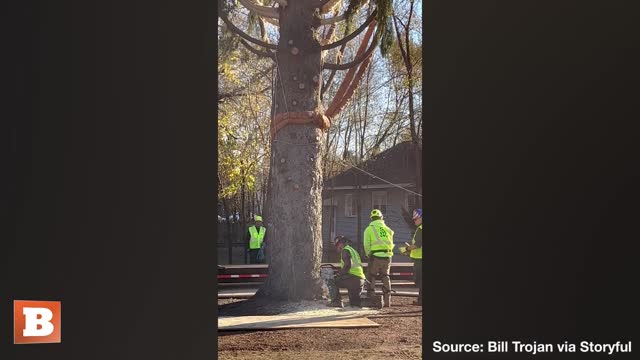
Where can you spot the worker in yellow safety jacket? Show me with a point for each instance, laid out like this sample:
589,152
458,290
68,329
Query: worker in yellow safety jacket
378,247
350,275
415,253
256,237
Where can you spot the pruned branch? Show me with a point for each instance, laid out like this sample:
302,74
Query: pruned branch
352,35
260,53
356,61
244,35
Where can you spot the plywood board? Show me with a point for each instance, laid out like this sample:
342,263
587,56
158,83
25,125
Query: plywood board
292,321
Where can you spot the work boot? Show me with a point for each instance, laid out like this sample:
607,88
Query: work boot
378,301
386,298
337,304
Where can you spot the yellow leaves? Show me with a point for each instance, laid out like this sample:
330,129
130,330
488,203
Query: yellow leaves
243,123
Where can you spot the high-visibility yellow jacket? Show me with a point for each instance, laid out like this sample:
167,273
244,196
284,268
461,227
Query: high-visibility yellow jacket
417,252
356,263
378,240
256,237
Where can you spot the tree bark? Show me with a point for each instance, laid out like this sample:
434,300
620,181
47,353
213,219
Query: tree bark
244,175
359,240
295,186
225,204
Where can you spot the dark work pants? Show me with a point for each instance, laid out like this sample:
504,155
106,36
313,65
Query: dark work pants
253,256
353,284
417,276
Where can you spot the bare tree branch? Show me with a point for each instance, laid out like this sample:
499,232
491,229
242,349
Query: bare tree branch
244,35
326,85
263,30
356,61
407,41
268,54
402,51
242,91
352,35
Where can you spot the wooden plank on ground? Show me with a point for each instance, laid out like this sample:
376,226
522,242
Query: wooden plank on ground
292,321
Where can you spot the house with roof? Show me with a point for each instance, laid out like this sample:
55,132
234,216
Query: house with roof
385,182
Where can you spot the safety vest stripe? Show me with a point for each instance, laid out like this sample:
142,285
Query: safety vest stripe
378,240
354,257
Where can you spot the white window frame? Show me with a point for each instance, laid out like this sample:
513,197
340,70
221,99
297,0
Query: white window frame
384,204
349,203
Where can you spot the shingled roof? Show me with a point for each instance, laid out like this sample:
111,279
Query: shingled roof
395,164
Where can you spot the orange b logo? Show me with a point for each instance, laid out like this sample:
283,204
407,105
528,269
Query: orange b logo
36,322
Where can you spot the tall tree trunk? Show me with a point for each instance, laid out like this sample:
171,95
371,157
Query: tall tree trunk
242,215
295,186
359,240
252,209
225,204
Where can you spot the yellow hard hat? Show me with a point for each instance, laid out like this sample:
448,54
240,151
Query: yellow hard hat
376,212
258,218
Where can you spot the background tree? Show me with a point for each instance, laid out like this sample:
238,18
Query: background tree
411,56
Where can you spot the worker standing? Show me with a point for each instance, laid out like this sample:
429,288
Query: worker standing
378,247
256,236
416,253
350,276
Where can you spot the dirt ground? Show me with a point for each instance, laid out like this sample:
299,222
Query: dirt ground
398,337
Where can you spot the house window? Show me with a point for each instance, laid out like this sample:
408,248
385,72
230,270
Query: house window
379,201
412,202
349,206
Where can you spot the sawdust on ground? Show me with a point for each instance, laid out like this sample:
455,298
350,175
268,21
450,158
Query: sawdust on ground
399,336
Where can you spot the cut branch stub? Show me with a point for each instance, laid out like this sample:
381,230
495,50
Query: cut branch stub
244,35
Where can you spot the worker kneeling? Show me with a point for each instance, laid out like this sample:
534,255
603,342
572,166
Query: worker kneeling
350,276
